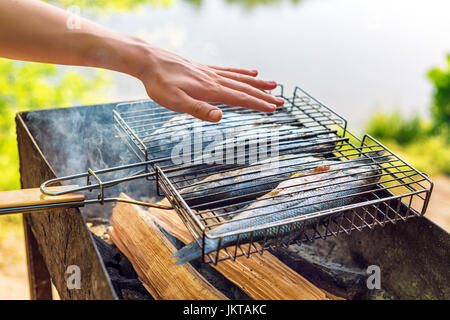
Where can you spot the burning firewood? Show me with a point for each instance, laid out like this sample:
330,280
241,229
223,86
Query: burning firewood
136,233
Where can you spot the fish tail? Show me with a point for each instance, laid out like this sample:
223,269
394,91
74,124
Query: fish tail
377,163
192,251
379,155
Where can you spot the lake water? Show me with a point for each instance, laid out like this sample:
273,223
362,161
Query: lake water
355,56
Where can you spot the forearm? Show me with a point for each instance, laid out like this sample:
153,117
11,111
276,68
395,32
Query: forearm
35,31
31,30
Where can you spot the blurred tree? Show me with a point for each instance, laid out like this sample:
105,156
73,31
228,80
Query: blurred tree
109,5
395,128
119,5
440,106
30,86
252,3
248,4
410,137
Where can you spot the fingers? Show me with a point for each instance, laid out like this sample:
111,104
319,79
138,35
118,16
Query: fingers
199,109
257,83
243,87
247,72
237,98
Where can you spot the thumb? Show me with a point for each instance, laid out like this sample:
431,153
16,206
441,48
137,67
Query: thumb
200,109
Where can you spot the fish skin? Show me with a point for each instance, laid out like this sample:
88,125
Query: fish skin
285,204
231,183
288,139
237,129
292,140
232,121
323,143
160,142
289,160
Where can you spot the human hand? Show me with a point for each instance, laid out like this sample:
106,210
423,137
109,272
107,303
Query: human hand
37,31
185,86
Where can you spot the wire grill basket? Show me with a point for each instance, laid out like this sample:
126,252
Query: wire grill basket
314,150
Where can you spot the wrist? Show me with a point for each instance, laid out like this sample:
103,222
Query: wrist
119,52
136,57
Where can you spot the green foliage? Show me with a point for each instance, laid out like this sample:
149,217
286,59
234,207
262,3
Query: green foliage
102,6
249,4
110,5
195,3
440,106
252,3
414,140
430,155
395,128
426,145
32,86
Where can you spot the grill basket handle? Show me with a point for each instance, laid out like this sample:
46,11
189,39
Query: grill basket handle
26,200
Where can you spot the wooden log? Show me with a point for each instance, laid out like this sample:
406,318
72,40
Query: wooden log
149,251
260,277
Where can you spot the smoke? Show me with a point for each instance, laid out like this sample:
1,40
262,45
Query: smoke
75,139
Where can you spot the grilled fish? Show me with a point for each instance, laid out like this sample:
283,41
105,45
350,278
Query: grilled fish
184,129
231,122
283,138
245,183
331,184
188,140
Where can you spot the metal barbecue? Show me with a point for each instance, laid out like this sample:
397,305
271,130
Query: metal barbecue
303,126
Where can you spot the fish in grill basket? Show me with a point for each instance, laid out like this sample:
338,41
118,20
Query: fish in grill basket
246,183
328,185
231,122
177,140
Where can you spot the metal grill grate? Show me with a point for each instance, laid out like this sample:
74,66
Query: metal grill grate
315,152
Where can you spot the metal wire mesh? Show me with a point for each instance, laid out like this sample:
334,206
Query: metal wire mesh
339,183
